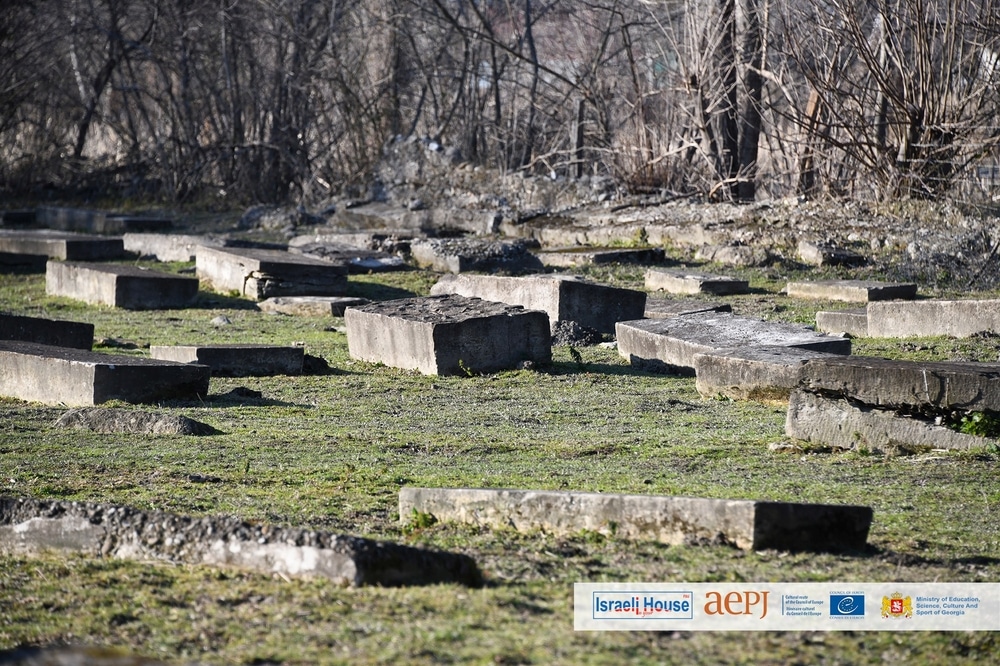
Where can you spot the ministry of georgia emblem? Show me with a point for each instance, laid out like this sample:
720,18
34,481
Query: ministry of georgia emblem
897,606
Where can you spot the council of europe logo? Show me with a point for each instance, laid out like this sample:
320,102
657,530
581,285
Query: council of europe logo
847,605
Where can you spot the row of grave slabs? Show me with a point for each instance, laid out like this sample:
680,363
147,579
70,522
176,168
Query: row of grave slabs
490,323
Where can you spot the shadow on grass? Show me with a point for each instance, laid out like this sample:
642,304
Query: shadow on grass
377,292
212,301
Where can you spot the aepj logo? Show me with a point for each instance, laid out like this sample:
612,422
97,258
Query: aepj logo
643,605
847,605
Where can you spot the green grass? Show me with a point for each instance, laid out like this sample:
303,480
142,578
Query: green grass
331,452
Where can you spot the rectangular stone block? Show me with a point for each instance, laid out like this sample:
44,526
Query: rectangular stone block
747,524
128,287
686,282
457,255
167,247
902,319
78,378
258,273
671,344
57,333
844,322
239,360
310,306
61,245
447,335
660,308
752,373
29,526
861,291
937,386
583,256
838,423
563,297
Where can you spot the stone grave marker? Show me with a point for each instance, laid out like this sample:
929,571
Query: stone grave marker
61,245
961,318
168,247
236,360
262,273
747,524
690,282
79,378
752,373
862,291
672,343
661,308
120,286
844,322
447,335
29,526
54,332
563,297
457,255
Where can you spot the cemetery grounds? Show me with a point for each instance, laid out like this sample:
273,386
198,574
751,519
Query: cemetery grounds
331,451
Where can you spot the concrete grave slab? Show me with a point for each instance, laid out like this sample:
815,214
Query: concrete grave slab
824,254
748,524
563,297
258,273
128,287
236,360
457,255
79,378
688,282
861,291
660,308
447,335
570,257
98,222
844,322
310,306
168,247
61,245
890,384
30,526
836,422
357,259
672,343
752,373
55,332
901,319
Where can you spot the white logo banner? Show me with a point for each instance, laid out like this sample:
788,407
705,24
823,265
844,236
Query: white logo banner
786,606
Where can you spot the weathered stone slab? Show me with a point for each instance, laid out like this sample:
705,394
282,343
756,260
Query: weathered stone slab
129,287
861,291
380,216
357,259
58,333
659,308
570,257
672,343
79,378
687,282
901,319
824,254
457,255
838,423
447,335
259,274
563,297
61,245
168,247
752,373
844,322
310,306
236,360
30,526
735,255
130,421
939,386
748,524
98,222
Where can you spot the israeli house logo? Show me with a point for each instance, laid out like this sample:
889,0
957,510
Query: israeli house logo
655,605
847,605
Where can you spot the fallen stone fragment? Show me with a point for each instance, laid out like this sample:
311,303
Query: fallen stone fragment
747,524
28,526
841,424
109,421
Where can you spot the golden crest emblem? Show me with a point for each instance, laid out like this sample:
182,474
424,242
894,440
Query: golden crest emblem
897,605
